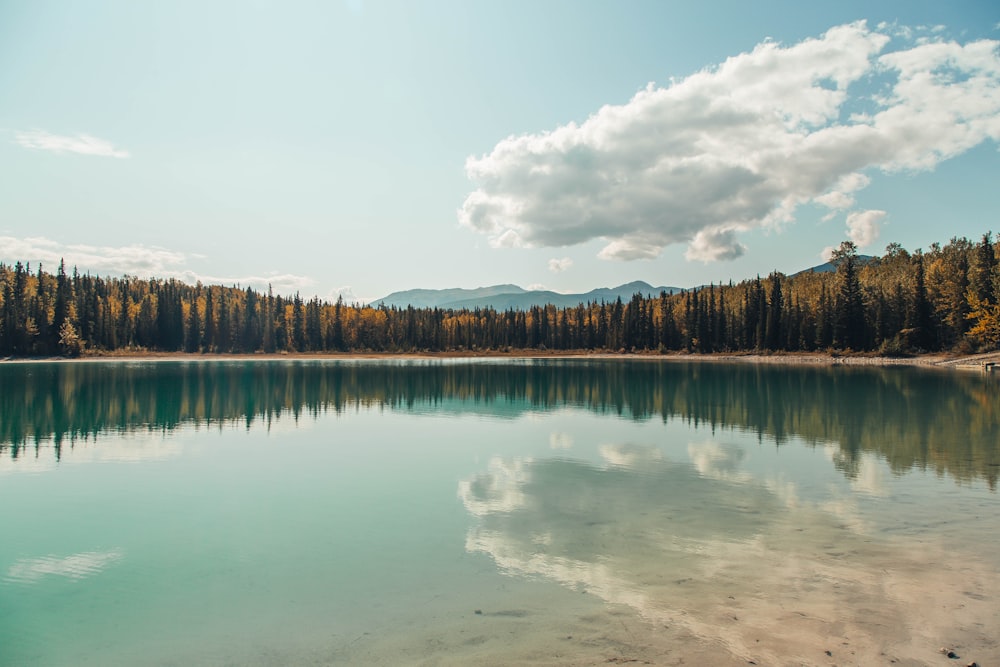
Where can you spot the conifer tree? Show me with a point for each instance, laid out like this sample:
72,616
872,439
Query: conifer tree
849,315
920,319
193,339
773,334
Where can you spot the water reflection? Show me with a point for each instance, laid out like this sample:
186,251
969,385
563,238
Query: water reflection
74,566
709,547
910,418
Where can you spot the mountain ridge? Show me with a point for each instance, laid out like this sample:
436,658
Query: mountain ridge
504,297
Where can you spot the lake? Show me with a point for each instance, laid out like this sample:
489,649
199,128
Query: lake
458,512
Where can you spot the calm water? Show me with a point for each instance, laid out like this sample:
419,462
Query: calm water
503,512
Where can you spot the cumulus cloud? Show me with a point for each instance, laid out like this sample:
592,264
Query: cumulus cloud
135,260
81,143
740,146
710,245
560,265
863,226
841,196
630,247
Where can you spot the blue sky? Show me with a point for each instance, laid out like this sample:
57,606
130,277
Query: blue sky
372,146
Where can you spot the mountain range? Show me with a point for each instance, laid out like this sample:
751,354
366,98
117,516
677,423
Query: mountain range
504,297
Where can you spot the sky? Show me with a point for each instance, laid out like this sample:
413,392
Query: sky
362,147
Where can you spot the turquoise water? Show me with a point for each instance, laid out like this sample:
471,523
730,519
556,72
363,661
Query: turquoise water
497,512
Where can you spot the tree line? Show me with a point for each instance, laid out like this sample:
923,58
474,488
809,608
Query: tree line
942,299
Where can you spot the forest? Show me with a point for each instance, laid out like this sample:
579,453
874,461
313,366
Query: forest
945,298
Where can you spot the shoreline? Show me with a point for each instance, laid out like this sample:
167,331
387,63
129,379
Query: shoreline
937,360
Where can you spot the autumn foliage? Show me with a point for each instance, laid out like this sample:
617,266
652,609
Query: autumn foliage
901,302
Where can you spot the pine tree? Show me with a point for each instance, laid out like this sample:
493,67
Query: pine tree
920,318
984,269
849,316
298,324
192,341
773,333
64,307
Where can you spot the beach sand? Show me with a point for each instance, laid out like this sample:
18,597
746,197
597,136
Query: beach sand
937,360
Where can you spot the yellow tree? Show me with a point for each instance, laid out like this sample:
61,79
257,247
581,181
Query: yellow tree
986,317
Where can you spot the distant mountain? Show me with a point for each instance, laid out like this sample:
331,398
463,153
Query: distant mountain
830,267
504,297
430,298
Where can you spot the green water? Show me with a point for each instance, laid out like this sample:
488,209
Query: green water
497,512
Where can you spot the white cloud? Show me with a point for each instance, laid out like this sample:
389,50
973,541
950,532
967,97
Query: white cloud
347,294
863,226
131,259
740,146
840,196
509,239
560,265
712,245
136,260
629,248
281,283
81,143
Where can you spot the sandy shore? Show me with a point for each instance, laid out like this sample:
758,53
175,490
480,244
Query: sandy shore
939,360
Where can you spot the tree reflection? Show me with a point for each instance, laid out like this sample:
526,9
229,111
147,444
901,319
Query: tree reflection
946,422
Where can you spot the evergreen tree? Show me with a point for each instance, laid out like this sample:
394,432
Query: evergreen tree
268,341
849,315
192,341
64,307
298,324
984,269
210,338
773,334
920,315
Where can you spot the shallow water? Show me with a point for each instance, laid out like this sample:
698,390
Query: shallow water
495,512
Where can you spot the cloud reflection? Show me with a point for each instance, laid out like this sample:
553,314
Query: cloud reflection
558,440
75,566
117,450
710,547
497,491
629,455
718,461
